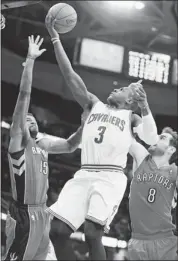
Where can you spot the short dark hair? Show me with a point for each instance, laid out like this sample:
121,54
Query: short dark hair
173,142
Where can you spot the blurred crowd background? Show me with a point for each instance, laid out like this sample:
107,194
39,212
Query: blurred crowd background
146,33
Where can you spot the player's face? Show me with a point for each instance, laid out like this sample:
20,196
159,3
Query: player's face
32,126
120,95
162,146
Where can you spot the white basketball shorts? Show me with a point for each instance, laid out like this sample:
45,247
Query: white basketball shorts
92,195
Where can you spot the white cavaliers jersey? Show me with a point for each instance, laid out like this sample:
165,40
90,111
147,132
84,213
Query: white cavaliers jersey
106,138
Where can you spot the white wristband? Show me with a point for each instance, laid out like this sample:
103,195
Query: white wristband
54,38
55,41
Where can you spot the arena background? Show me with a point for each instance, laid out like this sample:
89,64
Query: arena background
146,33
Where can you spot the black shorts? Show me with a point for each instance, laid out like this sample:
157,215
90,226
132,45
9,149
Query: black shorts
27,232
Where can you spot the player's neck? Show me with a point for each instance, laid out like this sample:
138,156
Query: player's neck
118,106
160,161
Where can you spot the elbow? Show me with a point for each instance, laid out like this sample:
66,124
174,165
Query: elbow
70,147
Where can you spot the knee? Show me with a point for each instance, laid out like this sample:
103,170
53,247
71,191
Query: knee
60,228
93,230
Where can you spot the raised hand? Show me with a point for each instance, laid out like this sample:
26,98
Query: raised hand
50,21
139,94
34,47
141,97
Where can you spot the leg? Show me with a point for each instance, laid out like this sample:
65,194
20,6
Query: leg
51,255
93,237
165,249
22,237
60,234
44,245
137,250
69,211
104,199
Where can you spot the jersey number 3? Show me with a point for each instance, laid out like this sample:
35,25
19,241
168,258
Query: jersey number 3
99,139
151,195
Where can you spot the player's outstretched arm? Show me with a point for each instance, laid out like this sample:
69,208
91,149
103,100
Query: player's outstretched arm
138,152
62,145
73,80
65,145
145,127
18,126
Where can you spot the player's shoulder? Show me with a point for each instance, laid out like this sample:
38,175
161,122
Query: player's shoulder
98,104
39,137
173,169
147,161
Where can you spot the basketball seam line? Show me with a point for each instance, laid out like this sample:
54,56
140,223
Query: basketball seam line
66,26
64,17
58,11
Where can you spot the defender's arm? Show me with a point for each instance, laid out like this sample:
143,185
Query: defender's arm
18,128
61,145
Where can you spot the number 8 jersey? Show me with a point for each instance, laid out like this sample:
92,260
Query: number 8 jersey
106,138
151,194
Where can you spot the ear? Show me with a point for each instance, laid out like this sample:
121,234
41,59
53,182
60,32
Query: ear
171,150
129,100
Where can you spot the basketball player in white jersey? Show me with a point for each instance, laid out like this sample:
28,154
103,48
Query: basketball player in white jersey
98,187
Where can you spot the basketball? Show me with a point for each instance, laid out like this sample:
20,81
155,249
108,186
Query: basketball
65,15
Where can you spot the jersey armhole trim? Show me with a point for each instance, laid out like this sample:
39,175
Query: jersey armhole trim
145,158
17,154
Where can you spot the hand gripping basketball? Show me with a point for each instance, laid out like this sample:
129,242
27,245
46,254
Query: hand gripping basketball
64,18
50,22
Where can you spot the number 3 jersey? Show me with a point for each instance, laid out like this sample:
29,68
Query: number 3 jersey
151,194
29,174
106,138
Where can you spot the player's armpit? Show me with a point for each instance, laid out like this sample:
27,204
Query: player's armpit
138,152
18,141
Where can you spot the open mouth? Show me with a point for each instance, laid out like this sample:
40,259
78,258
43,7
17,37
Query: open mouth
32,125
